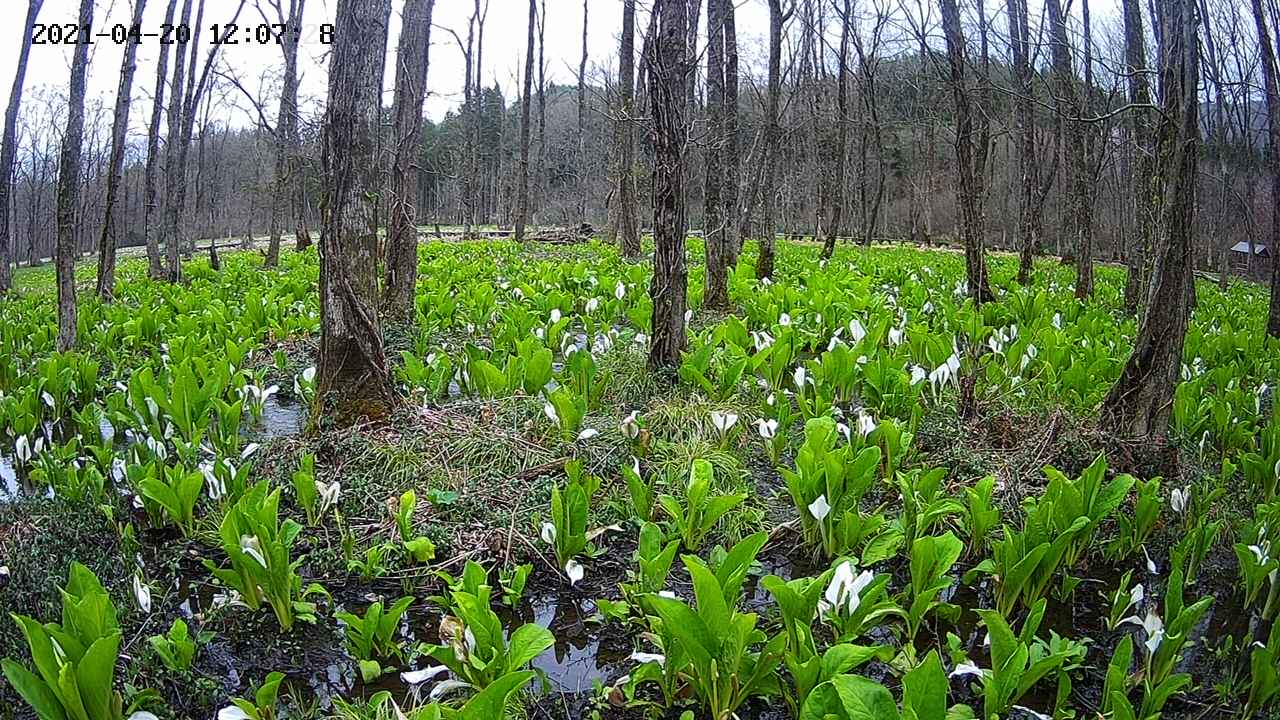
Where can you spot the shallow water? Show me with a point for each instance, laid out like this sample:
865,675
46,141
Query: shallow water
280,418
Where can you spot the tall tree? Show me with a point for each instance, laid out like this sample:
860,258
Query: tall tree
287,167
522,198
1139,404
971,152
831,184
1068,107
772,143
412,57
1029,225
1271,92
1142,137
179,143
715,291
669,64
151,191
9,147
580,151
69,186
624,224
729,148
109,239
353,377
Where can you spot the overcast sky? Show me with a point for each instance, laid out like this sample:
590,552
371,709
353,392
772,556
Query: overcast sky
258,64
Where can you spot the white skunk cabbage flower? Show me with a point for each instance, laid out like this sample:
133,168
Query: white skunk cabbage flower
844,592
574,571
768,429
417,677
723,421
819,508
630,425
142,594
1153,626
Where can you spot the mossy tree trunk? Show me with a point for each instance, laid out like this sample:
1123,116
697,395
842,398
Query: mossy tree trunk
669,65
1139,404
353,381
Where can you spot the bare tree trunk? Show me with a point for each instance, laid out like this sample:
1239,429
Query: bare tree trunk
624,225
69,186
353,377
772,143
1024,112
1271,91
1142,131
150,191
1139,404
172,166
1068,108
731,146
669,64
715,290
970,160
579,164
832,199
9,148
540,167
109,239
286,140
411,88
522,199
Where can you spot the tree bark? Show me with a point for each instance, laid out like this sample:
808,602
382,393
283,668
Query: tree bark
353,379
1271,92
150,191
1068,107
109,239
9,148
669,64
69,186
772,144
522,199
412,58
1029,222
1139,404
729,162
831,198
1142,132
715,286
286,140
580,152
970,160
173,162
628,235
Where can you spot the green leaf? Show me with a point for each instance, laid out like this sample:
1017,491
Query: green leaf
528,642
35,691
924,690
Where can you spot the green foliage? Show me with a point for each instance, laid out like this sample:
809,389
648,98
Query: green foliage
715,643
695,515
74,662
259,548
373,636
176,648
474,646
